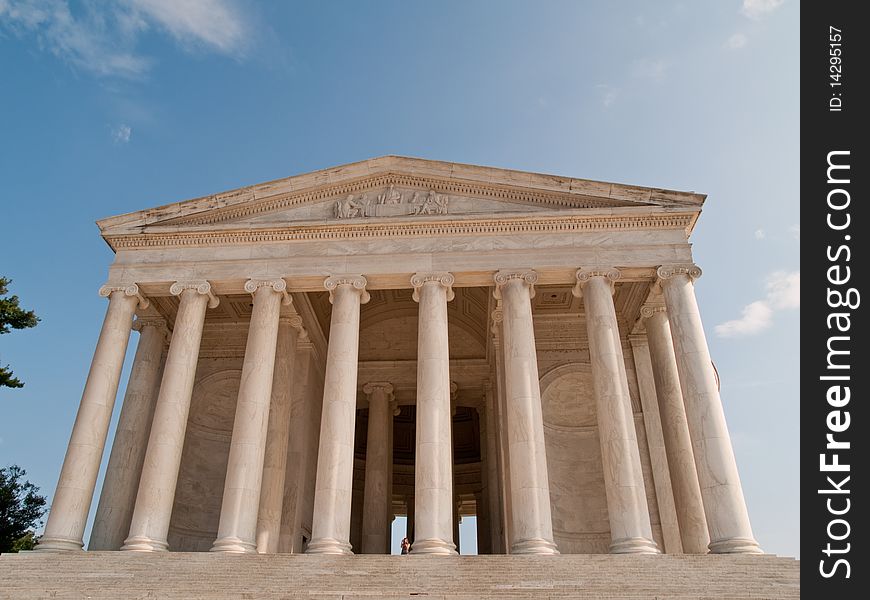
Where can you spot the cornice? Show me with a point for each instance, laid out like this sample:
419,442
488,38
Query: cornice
367,230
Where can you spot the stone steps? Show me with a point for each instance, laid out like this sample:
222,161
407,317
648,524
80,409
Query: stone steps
192,576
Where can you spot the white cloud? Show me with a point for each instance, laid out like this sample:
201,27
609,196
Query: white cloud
608,94
102,38
650,68
783,293
759,234
737,41
756,9
121,134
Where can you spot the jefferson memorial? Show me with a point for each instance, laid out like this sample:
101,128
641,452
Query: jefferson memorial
319,354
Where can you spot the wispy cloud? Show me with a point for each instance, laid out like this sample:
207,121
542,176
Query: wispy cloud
759,234
737,41
783,293
103,38
650,68
756,9
121,134
608,94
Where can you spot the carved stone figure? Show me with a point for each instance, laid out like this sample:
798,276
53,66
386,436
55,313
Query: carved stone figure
390,196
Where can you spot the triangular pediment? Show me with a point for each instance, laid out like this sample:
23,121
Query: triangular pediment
397,189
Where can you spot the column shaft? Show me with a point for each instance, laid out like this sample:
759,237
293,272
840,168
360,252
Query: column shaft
627,509
237,530
675,430
377,499
270,513
492,471
65,527
330,530
433,477
149,526
724,505
531,522
115,510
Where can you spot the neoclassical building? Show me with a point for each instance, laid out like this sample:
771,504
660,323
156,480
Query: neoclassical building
397,336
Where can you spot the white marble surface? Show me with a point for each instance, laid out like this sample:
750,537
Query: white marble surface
531,519
115,509
433,489
150,523
724,505
270,514
330,528
675,430
65,527
627,510
378,496
237,529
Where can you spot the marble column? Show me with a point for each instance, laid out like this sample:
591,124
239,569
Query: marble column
270,513
675,431
237,529
722,494
65,527
333,494
156,494
630,529
501,419
378,495
433,476
115,510
492,471
531,525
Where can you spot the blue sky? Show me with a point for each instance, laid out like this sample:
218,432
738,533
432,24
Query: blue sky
108,108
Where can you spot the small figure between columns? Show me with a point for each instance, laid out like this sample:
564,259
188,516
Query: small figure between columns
627,510
722,494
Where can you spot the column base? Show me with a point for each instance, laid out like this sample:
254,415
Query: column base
735,545
328,546
534,546
55,544
143,543
233,545
634,545
433,546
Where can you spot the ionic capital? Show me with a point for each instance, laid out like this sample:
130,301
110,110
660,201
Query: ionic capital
294,321
277,285
586,274
200,286
382,386
357,282
129,290
158,323
444,279
502,278
648,310
691,270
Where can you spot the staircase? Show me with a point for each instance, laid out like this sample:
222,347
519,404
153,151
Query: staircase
190,576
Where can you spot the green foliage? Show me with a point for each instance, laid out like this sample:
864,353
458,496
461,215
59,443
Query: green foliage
21,510
12,316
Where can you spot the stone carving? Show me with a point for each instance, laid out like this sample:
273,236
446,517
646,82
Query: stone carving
201,287
583,275
278,285
648,310
668,271
391,203
357,281
530,278
445,279
129,290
